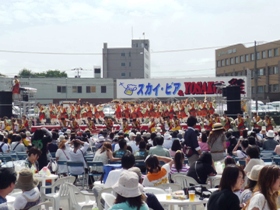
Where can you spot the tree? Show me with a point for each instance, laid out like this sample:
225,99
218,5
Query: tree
24,73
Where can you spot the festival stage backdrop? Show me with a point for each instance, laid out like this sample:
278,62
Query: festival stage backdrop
171,87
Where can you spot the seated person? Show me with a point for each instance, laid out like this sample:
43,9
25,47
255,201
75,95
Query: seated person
123,149
270,143
157,174
142,153
30,193
253,158
202,168
179,166
240,153
158,149
8,179
129,192
31,161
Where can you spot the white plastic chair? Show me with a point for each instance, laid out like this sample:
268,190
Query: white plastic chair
174,187
109,200
74,192
185,181
154,190
99,198
62,193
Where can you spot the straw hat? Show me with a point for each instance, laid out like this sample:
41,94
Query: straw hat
254,173
270,134
217,126
25,180
128,185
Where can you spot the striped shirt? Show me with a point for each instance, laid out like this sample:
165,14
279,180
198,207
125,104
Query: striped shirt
184,169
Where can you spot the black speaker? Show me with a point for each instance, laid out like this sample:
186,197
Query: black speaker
6,100
233,101
224,92
25,97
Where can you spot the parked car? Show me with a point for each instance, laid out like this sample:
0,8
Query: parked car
275,104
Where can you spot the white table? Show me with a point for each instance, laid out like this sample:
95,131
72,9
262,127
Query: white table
214,178
162,199
43,180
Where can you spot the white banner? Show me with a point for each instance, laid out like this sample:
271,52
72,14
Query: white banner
171,88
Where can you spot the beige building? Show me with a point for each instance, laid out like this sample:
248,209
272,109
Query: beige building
235,60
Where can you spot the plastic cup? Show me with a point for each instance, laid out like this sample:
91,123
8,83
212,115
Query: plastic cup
191,195
168,197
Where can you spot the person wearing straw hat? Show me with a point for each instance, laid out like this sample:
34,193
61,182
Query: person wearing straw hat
270,143
217,142
30,193
129,192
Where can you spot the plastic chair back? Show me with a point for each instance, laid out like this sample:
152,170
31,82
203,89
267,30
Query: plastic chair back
109,199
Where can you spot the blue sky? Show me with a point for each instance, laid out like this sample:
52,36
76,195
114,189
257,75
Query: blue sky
83,26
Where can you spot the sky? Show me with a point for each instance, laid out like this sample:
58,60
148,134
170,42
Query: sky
82,26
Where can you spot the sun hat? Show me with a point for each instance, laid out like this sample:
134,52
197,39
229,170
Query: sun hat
101,139
217,126
68,131
131,134
270,134
167,136
254,173
137,171
25,180
158,130
28,134
61,137
128,185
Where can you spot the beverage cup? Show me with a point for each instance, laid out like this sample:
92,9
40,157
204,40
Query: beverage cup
191,195
168,196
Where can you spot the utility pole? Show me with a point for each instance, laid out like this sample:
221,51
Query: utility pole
78,70
256,77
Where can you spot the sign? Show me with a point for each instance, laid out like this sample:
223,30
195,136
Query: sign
170,88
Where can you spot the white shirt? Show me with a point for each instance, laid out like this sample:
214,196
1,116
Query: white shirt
135,148
258,201
78,156
113,177
5,147
62,155
32,196
252,162
161,180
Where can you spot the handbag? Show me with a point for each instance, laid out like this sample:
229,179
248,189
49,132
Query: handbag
52,166
188,151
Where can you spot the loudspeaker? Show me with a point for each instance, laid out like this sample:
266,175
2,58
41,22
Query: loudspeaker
25,97
233,101
224,93
6,107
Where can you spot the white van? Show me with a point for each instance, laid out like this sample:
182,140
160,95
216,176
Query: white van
276,104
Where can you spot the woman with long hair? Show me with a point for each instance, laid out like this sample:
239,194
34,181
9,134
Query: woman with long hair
225,198
217,142
266,191
62,155
104,154
176,145
179,166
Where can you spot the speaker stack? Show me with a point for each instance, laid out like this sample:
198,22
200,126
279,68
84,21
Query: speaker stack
6,107
232,93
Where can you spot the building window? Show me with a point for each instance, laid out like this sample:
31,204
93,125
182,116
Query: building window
241,58
129,54
274,88
252,56
61,89
231,60
103,89
122,64
76,89
252,90
218,63
276,52
129,74
90,89
239,73
263,54
247,58
223,62
269,53
260,89
261,72
258,55
129,64
227,62
236,59
122,54
123,74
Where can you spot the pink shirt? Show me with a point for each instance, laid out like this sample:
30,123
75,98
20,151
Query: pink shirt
203,146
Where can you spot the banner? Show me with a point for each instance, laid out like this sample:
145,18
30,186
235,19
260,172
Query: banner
175,88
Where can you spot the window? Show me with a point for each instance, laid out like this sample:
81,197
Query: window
247,58
273,69
241,58
76,89
252,56
258,55
129,54
236,59
223,62
231,60
239,73
123,74
122,54
276,52
261,72
97,71
269,53
218,63
61,89
122,64
263,54
103,89
129,74
252,90
227,62
274,88
129,64
90,89
260,89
